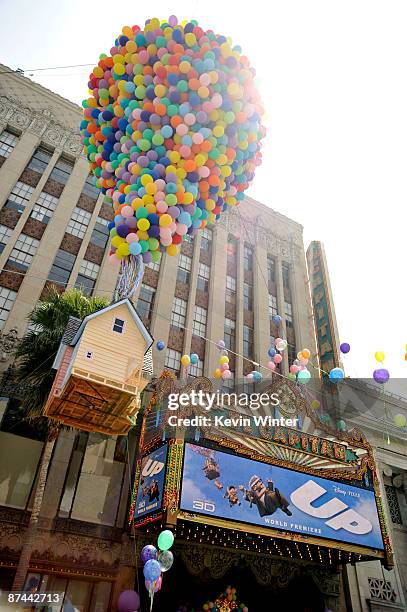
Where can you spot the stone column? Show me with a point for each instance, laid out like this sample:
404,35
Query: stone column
193,277
15,164
57,473
215,328
302,309
239,309
281,311
261,310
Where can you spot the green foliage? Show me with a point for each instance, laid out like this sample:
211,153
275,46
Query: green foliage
37,350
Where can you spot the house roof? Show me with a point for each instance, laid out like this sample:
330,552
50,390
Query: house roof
144,331
71,329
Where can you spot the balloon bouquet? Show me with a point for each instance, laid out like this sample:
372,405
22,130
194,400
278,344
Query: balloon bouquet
156,562
172,130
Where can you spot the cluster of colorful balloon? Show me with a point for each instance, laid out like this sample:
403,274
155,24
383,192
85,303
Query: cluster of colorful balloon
275,351
298,368
254,376
223,370
187,360
225,602
156,562
172,130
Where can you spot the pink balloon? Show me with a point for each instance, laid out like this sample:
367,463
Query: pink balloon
277,341
132,237
226,374
197,138
278,358
189,119
205,79
166,241
127,211
181,229
184,151
203,171
113,260
249,376
182,129
271,365
160,184
162,207
224,367
217,100
294,369
159,196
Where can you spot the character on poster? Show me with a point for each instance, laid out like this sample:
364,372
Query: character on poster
267,499
232,496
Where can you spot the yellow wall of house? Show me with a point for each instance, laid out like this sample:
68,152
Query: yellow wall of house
114,355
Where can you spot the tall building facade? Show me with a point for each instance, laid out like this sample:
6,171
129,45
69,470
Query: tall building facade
226,284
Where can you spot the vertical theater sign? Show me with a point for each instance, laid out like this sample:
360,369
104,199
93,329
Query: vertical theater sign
304,499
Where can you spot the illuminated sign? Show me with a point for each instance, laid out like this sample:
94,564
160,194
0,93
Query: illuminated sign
235,488
151,483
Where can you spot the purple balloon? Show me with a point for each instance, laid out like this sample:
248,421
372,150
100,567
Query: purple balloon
381,376
128,601
345,348
148,552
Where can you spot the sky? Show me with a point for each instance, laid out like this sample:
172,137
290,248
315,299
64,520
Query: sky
332,79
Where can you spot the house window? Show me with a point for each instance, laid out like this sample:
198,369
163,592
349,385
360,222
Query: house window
62,267
172,360
7,143
184,269
24,250
39,160
179,312
44,207
78,222
247,342
230,334
90,189
118,326
19,197
5,233
271,269
145,301
288,312
248,296
100,233
230,289
272,305
202,282
7,299
248,258
199,322
89,355
62,171
196,369
285,269
206,239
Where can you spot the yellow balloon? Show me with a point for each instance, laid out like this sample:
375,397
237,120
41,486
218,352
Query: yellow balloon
217,373
185,360
224,359
172,249
400,420
315,404
379,356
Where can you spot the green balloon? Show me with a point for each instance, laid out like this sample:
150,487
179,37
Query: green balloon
166,538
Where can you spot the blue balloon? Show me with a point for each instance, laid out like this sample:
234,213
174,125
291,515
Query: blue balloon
135,248
152,570
336,374
194,358
257,376
160,345
276,319
271,352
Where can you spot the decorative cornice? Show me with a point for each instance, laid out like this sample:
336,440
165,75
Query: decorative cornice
42,123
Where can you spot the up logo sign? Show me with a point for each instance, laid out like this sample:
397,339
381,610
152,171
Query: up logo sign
152,468
339,514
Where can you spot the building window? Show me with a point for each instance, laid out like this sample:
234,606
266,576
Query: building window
196,369
100,233
7,299
179,313
230,289
118,326
272,305
5,234
7,143
24,250
19,197
285,269
292,353
78,223
288,312
155,265
172,360
184,269
230,334
206,239
248,296
247,342
90,189
62,267
248,258
88,273
229,384
40,160
61,171
202,282
145,301
44,207
271,269
232,250
199,322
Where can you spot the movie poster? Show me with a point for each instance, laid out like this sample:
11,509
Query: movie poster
151,483
239,489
